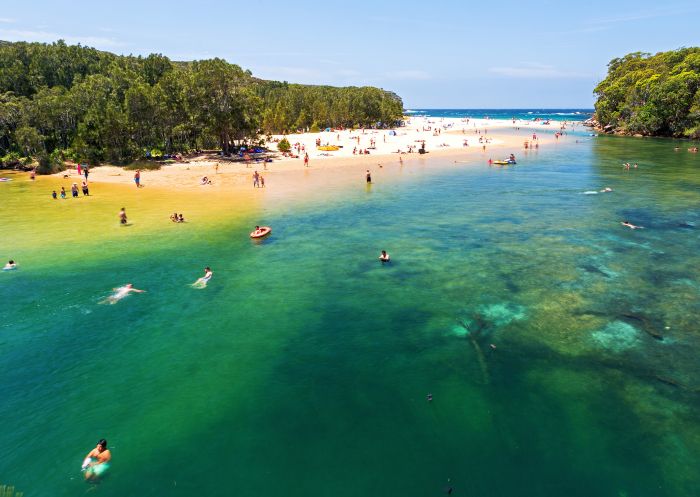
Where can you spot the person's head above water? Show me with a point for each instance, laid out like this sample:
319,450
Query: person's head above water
128,285
11,261
207,269
102,444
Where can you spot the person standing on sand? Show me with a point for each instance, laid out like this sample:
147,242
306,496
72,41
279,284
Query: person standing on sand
85,171
80,173
216,168
369,177
122,216
137,178
262,181
256,180
306,160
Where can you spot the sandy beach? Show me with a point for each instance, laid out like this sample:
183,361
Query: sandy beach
463,141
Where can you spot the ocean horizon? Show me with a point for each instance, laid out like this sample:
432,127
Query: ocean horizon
563,114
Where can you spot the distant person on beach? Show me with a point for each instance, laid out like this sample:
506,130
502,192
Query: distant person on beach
122,216
10,265
32,175
262,181
174,217
630,225
369,176
306,160
121,292
63,192
181,219
97,461
86,191
256,180
86,172
74,190
53,195
137,178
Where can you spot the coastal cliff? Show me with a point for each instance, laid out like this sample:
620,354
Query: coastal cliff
651,95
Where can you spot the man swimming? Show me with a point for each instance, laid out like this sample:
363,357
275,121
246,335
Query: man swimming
121,292
97,461
10,265
630,225
384,257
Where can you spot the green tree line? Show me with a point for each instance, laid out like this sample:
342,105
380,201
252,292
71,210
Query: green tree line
654,95
60,101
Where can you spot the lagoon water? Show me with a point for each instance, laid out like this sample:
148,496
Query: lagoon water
303,368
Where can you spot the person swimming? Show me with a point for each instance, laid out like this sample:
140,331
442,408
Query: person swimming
181,219
202,282
384,257
173,217
97,461
630,225
10,265
120,293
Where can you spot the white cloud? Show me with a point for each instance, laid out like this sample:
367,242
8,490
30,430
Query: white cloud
535,71
48,37
7,20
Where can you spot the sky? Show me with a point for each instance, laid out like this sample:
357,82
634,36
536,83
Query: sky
434,54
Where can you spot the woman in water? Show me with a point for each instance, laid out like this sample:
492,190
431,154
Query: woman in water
384,257
202,282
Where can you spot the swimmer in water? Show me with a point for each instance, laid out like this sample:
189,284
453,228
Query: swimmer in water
384,257
630,225
607,189
10,265
202,282
97,461
120,293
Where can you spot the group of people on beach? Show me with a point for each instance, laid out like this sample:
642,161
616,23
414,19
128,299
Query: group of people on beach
177,218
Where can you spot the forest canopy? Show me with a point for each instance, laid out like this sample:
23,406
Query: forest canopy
653,95
61,101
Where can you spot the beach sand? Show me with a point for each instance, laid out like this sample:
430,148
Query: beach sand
504,137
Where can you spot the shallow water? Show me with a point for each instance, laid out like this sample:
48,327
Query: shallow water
303,367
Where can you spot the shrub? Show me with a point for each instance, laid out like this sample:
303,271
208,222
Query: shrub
50,163
315,128
11,160
284,145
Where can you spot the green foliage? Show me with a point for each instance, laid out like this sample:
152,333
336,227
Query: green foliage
656,95
284,145
98,106
50,163
11,159
315,128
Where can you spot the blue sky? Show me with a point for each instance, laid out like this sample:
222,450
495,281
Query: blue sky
434,54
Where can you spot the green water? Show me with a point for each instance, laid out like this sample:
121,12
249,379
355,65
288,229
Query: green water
303,368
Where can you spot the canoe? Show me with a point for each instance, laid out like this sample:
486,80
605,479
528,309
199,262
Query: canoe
263,231
329,148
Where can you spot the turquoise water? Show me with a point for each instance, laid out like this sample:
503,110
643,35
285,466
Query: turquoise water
527,114
303,368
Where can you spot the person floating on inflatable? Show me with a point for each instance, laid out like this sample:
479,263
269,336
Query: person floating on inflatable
97,461
384,257
202,282
10,265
